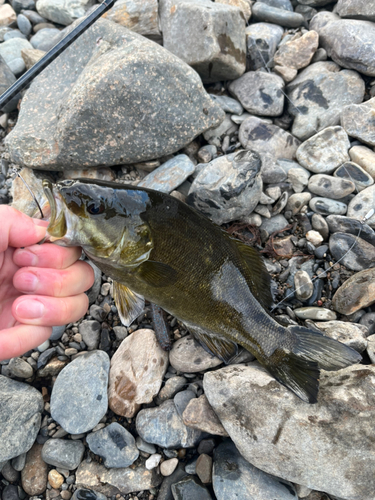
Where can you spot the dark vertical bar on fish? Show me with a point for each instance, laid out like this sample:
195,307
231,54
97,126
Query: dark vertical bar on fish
38,67
160,327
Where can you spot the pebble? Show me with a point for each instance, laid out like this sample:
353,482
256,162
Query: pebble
371,348
364,157
90,331
297,201
34,474
361,204
18,463
357,119
314,237
24,25
317,313
182,399
326,206
19,5
353,252
63,453
330,187
14,34
9,473
85,494
353,172
303,285
368,320
203,468
198,414
319,223
356,293
168,467
169,175
299,178
188,356
20,368
153,461
275,223
55,479
10,492
87,399
262,40
190,488
144,446
282,17
350,334
7,15
115,445
342,224
227,104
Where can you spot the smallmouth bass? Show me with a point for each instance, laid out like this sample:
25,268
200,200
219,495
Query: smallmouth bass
156,247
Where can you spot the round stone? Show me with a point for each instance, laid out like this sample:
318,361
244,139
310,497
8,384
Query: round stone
303,285
326,206
353,172
330,187
168,467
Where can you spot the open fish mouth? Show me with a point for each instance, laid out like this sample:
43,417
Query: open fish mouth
57,223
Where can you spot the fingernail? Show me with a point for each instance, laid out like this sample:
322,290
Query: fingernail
27,282
26,258
30,309
40,222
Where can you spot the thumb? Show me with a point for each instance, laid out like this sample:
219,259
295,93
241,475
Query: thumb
19,230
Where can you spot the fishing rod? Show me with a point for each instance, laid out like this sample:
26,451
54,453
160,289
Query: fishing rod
52,54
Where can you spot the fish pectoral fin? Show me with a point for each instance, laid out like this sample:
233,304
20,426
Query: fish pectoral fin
216,344
156,274
258,278
129,304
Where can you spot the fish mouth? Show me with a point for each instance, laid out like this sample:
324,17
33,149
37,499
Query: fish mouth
57,227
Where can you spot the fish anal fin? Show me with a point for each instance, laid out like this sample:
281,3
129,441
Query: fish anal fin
129,304
156,274
258,278
217,345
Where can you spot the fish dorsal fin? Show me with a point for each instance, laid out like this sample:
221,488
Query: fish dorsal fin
129,304
258,278
217,345
156,274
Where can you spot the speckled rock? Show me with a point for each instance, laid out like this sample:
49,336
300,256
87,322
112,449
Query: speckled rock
188,356
364,157
352,252
326,206
240,395
350,334
63,11
356,293
79,116
262,40
228,188
318,94
361,204
198,414
358,121
353,172
137,370
34,474
140,16
170,175
328,186
63,453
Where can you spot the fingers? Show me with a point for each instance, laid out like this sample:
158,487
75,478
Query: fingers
49,311
74,280
47,255
18,230
20,339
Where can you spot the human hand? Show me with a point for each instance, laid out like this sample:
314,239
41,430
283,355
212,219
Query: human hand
40,285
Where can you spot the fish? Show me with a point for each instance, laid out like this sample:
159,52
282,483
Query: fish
158,248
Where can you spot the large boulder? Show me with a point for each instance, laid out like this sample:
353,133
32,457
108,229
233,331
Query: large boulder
113,97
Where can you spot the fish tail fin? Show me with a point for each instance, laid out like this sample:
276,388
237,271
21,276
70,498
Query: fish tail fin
299,369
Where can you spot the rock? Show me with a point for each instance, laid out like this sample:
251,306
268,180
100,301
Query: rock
368,320
198,414
240,394
356,9
234,477
171,387
143,446
303,285
190,488
83,383
243,5
317,313
168,467
276,223
297,53
269,141
371,348
55,479
153,461
115,445
169,175
164,427
261,40
18,367
63,11
341,224
10,51
217,52
24,25
19,5
361,204
43,38
18,463
182,399
318,94
356,293
352,252
314,237
20,417
349,334
78,114
299,178
137,370
203,468
215,135
227,104
326,206
297,201
341,41
259,93
34,474
52,369
353,172
319,224
228,188
188,356
63,453
31,56
83,493
7,78
357,121
10,492
282,17
165,492
279,4
9,473
330,187
7,15
140,16
90,331
364,157
111,482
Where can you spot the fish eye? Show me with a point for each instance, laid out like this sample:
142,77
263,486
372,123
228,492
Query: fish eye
95,208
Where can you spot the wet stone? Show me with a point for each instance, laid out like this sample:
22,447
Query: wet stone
350,334
326,206
361,204
169,175
328,186
262,40
114,444
34,474
190,488
282,17
188,356
352,252
63,453
259,93
315,313
356,293
364,157
358,121
353,172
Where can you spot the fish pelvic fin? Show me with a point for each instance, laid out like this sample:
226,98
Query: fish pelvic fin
129,304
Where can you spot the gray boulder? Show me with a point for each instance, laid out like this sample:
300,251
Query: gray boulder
333,448
63,114
208,36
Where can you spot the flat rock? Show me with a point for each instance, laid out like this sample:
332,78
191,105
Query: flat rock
71,96
228,188
330,187
364,157
361,204
351,44
342,224
190,488
356,293
137,370
217,52
262,40
188,356
164,427
318,95
317,313
353,172
114,444
259,93
83,384
198,414
352,252
140,16
63,11
34,474
356,9
169,175
63,453
350,334
111,482
326,206
297,53
234,477
20,417
282,17
331,434
358,121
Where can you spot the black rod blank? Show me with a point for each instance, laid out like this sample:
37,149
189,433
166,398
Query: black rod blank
39,66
